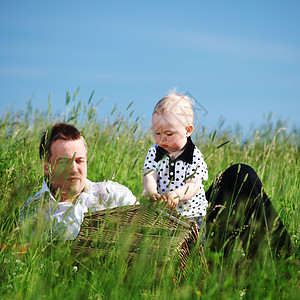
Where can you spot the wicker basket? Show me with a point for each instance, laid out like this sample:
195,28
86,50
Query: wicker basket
139,231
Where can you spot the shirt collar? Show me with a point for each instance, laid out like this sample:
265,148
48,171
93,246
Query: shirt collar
45,188
186,155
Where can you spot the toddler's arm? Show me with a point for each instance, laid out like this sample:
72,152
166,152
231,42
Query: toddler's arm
150,186
185,192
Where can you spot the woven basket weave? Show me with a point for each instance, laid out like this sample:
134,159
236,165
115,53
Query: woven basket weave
140,230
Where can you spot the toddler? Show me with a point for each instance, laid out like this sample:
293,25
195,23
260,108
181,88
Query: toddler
174,167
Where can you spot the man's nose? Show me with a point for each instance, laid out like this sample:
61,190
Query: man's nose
73,167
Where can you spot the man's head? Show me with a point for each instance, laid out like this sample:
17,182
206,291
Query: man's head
63,152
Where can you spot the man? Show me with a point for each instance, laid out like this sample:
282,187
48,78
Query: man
66,193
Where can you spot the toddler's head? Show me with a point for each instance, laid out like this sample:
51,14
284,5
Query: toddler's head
172,120
180,106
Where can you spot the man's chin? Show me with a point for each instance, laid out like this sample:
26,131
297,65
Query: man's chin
73,190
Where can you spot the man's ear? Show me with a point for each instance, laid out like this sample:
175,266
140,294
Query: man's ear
46,167
189,130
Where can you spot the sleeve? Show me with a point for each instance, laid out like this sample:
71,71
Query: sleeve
118,195
24,210
33,205
37,219
150,163
198,168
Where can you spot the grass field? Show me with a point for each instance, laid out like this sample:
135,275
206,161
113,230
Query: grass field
117,147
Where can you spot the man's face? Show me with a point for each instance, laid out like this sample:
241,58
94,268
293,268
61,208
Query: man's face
68,163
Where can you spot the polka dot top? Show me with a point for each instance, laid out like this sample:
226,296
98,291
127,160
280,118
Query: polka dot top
172,174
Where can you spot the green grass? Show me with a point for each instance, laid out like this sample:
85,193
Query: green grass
117,147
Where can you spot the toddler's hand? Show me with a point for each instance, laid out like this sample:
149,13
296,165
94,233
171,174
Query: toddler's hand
160,197
172,199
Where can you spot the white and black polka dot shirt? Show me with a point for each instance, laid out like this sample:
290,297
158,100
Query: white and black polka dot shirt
172,174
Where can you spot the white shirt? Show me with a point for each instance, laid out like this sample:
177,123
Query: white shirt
64,218
172,174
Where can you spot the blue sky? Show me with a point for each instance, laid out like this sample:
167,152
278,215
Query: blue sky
239,59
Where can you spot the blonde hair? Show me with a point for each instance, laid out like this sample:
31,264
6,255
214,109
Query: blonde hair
178,104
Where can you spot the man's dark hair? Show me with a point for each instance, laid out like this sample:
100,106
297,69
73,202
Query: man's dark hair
60,131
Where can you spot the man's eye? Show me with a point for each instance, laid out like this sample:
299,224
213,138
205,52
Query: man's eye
169,134
157,133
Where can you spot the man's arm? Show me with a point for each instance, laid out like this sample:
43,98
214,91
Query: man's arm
117,194
41,218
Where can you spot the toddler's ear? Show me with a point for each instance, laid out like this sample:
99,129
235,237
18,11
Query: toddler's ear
189,130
